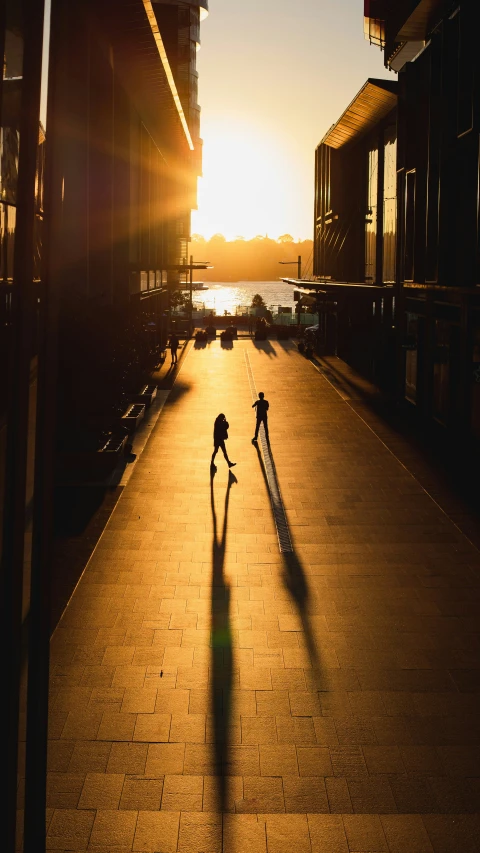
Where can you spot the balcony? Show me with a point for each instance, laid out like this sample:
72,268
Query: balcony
400,27
374,22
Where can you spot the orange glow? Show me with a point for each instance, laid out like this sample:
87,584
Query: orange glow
248,184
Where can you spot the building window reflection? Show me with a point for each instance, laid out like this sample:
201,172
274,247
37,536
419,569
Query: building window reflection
371,218
390,204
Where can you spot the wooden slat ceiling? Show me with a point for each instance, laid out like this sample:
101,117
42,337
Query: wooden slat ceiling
140,68
373,102
416,26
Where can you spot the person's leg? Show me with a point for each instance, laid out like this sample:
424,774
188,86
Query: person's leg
265,426
227,460
257,427
215,449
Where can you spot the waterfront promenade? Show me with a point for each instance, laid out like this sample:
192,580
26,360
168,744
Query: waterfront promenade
280,661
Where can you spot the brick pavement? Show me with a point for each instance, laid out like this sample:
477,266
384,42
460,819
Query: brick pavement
210,693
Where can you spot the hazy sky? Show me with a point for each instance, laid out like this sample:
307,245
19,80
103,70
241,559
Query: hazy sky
274,76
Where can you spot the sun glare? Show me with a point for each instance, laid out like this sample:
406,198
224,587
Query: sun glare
247,186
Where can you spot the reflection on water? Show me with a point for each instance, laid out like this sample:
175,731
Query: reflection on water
222,296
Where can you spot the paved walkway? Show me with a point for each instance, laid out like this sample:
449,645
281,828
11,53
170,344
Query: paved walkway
322,699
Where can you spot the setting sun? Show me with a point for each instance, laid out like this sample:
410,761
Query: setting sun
248,185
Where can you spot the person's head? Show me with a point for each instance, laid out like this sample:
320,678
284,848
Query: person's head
219,418
261,395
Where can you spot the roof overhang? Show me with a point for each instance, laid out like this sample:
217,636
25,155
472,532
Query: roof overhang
406,52
416,27
200,4
373,102
152,20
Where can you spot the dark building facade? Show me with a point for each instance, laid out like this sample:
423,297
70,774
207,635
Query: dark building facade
417,177
99,154
432,47
355,227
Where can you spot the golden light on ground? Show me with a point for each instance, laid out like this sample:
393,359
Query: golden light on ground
248,183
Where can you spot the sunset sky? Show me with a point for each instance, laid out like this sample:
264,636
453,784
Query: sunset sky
274,76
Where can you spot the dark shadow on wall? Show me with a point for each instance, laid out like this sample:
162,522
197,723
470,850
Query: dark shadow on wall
295,580
221,646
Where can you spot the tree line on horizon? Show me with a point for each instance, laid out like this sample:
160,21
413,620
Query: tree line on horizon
257,259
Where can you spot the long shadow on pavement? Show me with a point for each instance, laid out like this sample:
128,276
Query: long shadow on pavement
264,346
294,578
221,645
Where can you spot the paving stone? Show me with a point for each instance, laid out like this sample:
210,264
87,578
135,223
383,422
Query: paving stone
405,834
327,833
127,758
200,832
338,795
233,787
141,792
70,829
305,794
101,791
278,761
152,728
244,832
112,829
365,833
165,758
156,831
260,795
286,833
64,789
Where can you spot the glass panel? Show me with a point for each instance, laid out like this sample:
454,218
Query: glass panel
411,365
390,205
409,225
475,421
441,371
371,220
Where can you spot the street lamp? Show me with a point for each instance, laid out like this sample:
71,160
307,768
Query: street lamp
298,262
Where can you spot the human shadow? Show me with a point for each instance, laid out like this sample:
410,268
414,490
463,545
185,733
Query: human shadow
266,347
221,646
294,576
287,346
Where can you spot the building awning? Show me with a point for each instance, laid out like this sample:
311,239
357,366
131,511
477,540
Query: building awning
416,26
374,101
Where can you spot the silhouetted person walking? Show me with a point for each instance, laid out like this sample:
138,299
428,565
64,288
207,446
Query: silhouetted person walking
261,406
174,342
220,435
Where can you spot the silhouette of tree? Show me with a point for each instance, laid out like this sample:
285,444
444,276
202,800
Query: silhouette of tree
248,260
258,301
285,238
177,298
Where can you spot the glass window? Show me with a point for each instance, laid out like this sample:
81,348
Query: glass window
390,205
371,218
410,178
441,371
411,360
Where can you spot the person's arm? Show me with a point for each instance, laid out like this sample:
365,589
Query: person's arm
267,406
255,403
